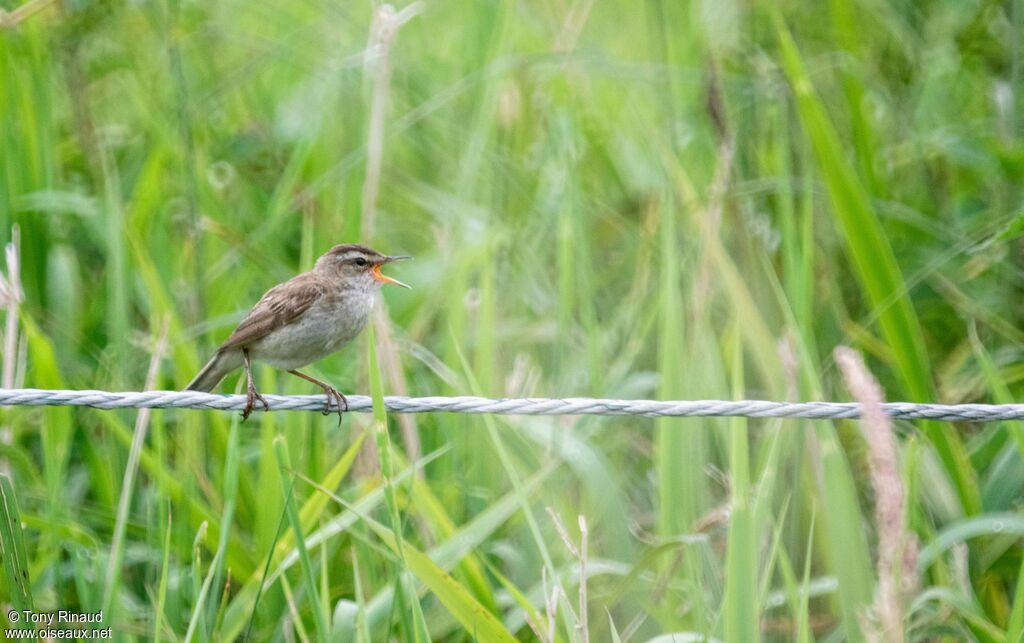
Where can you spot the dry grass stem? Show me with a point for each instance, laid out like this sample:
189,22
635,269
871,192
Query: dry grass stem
377,60
580,554
895,544
383,30
11,19
11,296
710,223
551,607
131,467
790,364
562,533
575,18
394,374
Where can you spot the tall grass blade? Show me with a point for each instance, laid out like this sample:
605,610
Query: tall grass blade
380,421
478,622
1015,628
876,267
313,599
740,613
12,548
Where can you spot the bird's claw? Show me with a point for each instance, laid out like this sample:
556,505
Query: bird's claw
251,396
340,401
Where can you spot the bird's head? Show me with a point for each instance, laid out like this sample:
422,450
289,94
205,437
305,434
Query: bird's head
357,265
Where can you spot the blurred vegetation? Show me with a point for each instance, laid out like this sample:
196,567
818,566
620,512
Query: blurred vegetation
623,199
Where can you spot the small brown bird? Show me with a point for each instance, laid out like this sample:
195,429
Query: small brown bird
302,320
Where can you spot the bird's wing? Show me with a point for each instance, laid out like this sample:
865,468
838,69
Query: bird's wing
280,306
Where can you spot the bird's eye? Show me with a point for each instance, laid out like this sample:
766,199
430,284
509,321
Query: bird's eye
359,261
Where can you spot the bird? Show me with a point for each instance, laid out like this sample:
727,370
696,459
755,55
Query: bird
303,320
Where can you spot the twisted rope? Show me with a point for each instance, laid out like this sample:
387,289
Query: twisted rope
513,406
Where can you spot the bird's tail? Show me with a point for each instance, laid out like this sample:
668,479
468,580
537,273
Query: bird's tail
213,373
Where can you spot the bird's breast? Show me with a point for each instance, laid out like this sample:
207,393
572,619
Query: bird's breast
325,327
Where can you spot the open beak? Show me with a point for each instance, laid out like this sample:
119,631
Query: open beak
381,277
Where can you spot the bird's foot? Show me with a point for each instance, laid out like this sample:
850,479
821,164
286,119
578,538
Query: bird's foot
339,399
251,396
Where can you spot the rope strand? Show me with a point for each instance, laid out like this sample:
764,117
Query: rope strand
513,406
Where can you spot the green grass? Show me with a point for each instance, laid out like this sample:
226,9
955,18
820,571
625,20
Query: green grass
585,221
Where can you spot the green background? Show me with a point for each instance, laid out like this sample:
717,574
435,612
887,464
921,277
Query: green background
674,200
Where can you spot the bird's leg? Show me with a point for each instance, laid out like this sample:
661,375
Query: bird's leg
251,395
331,393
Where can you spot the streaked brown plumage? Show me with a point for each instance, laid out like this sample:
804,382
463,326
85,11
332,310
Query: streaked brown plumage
302,320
